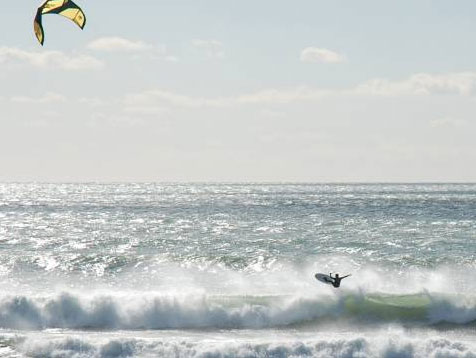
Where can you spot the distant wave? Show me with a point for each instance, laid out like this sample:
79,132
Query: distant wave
358,346
228,312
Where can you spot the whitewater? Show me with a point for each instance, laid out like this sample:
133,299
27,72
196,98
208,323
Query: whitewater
227,270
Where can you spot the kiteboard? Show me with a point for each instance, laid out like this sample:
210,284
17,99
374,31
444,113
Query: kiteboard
324,278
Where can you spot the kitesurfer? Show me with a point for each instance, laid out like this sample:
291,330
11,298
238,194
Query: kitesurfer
337,279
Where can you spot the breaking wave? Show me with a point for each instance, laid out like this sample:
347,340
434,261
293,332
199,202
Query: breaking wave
358,346
139,312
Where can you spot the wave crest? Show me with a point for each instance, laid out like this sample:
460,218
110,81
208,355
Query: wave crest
187,312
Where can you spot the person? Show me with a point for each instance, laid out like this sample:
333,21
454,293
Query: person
336,279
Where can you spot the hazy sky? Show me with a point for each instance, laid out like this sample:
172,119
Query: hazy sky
222,90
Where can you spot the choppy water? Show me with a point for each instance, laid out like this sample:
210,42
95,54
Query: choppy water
198,270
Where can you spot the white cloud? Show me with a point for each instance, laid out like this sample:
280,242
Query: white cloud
92,101
316,54
49,59
416,85
271,96
148,98
114,119
448,122
171,58
49,97
267,113
212,48
462,83
119,44
283,96
160,102
144,110
136,48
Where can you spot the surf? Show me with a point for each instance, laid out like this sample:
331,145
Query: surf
378,344
155,311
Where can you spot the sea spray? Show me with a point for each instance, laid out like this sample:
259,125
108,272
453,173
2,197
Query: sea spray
152,311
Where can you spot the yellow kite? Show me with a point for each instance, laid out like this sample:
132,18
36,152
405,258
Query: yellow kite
65,8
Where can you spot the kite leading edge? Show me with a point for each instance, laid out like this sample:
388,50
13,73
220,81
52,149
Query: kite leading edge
65,8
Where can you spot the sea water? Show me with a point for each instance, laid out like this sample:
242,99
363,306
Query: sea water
227,270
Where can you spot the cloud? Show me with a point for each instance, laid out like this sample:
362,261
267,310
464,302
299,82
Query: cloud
267,113
149,98
144,110
49,59
448,122
137,48
417,85
49,97
261,97
170,58
462,83
92,101
113,119
212,48
323,55
159,101
118,44
459,83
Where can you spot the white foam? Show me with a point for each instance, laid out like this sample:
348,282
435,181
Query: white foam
377,345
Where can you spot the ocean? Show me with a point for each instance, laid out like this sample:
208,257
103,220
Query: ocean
227,270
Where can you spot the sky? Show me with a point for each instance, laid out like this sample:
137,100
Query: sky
240,91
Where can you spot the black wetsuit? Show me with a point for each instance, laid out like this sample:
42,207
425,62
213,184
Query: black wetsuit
336,282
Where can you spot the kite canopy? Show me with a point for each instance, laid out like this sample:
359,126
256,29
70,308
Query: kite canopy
65,8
